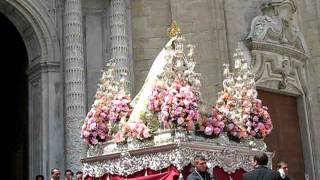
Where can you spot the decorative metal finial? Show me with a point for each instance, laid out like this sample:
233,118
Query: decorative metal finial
173,30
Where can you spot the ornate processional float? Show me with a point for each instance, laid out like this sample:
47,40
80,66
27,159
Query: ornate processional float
159,132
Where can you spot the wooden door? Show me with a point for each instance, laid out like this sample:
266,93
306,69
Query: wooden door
285,138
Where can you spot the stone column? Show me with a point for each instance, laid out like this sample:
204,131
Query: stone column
74,84
119,40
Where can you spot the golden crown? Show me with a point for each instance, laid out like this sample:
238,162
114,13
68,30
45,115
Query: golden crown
173,30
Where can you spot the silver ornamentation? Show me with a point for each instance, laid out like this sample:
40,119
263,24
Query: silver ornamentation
228,155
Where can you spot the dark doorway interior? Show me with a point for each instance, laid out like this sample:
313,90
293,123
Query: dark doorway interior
285,138
14,100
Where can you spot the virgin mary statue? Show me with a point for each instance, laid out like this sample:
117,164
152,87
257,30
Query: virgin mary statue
140,102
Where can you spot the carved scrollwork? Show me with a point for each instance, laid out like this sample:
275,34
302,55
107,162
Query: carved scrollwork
277,26
278,48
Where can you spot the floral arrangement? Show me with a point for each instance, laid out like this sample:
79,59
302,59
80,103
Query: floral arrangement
259,124
237,111
230,111
118,115
210,126
111,109
135,130
119,107
180,107
95,126
159,92
95,129
119,110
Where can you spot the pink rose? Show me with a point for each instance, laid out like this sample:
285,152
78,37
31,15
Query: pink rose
86,134
94,134
119,137
221,125
146,134
93,126
102,135
202,128
216,130
260,125
230,126
208,130
94,141
253,133
180,120
245,103
102,126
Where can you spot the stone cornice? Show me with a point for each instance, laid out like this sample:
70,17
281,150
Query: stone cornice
43,67
276,48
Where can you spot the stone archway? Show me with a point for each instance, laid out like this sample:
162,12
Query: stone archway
14,98
280,61
45,84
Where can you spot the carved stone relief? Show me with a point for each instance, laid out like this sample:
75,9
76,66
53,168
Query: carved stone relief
278,48
51,7
277,72
277,26
285,68
279,59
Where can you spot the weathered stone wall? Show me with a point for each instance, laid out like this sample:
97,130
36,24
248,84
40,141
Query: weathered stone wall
308,18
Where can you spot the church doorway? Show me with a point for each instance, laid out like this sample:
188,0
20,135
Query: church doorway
14,100
285,138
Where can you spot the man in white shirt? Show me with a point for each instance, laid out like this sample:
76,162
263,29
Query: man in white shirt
55,174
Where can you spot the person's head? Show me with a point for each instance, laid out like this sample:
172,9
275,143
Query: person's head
79,175
55,173
260,159
39,177
283,165
200,163
68,174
